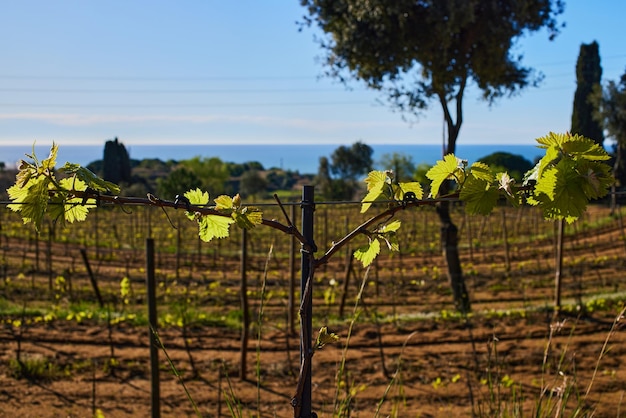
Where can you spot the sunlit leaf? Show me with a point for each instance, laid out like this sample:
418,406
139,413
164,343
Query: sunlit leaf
546,184
479,195
376,183
49,163
391,226
90,179
551,140
368,252
197,198
75,209
377,180
214,226
563,191
580,147
223,202
25,172
248,218
446,169
413,187
482,171
31,200
324,337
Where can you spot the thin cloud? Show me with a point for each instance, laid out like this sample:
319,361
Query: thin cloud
76,119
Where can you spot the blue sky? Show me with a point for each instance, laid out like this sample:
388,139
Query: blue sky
205,72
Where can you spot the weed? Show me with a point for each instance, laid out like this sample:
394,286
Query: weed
35,368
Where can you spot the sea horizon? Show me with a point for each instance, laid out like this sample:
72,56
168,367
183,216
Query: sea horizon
303,158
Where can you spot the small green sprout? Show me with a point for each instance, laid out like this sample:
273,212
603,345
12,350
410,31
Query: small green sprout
324,337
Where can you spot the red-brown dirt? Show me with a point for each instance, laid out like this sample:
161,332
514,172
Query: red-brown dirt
421,365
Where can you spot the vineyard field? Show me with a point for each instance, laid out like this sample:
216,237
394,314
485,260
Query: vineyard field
67,352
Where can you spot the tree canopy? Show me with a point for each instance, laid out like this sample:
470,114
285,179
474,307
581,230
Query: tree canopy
116,162
350,162
588,78
514,164
212,172
610,111
402,165
417,51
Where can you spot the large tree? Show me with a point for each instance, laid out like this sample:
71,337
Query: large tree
116,162
610,112
588,78
402,165
212,172
420,51
350,162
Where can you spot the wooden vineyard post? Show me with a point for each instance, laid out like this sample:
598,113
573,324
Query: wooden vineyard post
505,238
152,329
306,302
178,249
291,314
49,253
92,278
245,309
559,266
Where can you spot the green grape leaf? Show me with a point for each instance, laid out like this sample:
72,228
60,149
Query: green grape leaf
49,163
392,226
197,198
371,197
368,252
248,218
31,200
597,178
74,210
70,210
224,202
90,178
17,194
579,146
482,171
413,187
214,226
546,184
25,173
377,180
551,140
448,168
376,183
552,155
479,195
563,194
324,337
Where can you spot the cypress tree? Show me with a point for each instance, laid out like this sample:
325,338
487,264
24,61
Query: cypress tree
116,162
588,76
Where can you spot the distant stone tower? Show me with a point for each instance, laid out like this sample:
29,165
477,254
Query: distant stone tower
116,162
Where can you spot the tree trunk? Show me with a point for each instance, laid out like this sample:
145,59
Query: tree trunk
450,244
449,231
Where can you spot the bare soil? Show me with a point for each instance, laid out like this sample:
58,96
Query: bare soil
512,353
